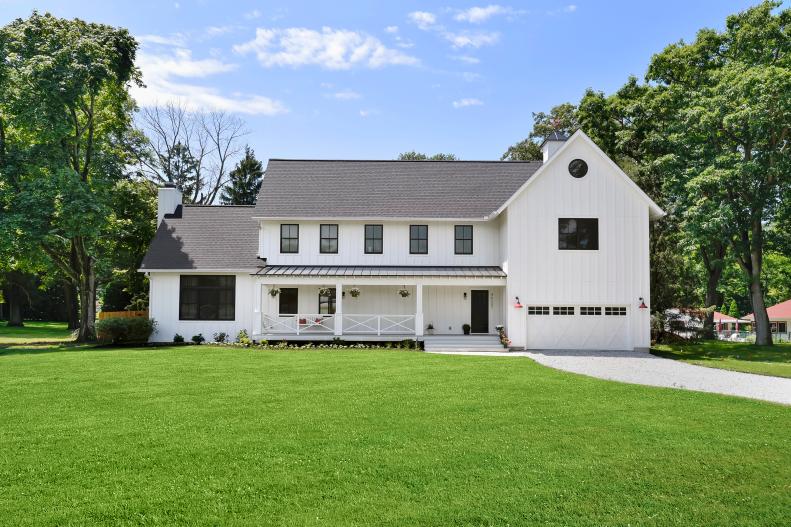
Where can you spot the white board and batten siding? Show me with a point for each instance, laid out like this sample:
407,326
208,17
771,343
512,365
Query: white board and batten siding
164,308
395,242
541,274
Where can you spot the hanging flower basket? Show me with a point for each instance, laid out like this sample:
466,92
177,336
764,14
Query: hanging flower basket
274,292
325,291
354,292
404,292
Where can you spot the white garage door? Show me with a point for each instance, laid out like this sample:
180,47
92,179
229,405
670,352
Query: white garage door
578,327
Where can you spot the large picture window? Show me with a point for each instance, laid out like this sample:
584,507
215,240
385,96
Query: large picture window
203,297
373,239
418,239
288,301
327,303
463,239
289,238
328,238
578,234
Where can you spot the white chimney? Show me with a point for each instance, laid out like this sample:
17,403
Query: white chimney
168,200
552,144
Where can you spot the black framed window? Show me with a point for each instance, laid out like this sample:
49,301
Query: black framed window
615,311
588,310
563,310
373,239
288,301
418,239
538,310
327,303
463,239
578,234
289,238
204,297
328,238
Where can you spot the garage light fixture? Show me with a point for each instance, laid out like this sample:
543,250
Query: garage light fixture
642,304
518,304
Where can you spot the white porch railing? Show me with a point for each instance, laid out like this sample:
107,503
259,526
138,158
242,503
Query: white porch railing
298,324
378,324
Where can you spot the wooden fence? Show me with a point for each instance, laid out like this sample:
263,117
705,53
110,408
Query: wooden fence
121,314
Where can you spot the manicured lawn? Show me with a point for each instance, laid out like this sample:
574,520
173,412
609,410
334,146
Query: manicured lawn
766,360
34,332
222,436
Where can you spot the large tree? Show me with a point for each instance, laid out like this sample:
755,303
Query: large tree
65,114
733,131
420,156
244,181
193,150
561,118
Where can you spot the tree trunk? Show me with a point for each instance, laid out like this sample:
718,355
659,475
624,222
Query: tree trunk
87,288
72,307
763,330
712,260
13,296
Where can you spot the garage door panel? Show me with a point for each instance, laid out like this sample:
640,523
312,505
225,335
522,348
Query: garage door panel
604,332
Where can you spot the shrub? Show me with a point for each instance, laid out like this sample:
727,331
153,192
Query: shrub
220,337
243,338
199,338
135,330
408,344
466,329
178,339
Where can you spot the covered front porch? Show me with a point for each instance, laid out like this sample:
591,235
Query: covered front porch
376,308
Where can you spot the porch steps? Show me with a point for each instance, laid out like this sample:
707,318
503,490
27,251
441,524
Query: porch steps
462,343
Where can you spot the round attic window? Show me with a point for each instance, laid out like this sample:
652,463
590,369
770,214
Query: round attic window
578,168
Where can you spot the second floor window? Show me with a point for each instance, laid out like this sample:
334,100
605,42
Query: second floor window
579,234
418,239
328,242
289,238
463,239
373,239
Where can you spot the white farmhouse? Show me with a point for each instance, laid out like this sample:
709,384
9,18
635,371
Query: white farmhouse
555,252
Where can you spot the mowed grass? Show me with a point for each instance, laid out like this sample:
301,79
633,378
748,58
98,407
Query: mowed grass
227,436
737,356
34,331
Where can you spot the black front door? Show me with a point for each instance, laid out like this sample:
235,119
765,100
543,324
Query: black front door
479,316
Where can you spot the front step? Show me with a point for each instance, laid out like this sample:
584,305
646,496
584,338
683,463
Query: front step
462,343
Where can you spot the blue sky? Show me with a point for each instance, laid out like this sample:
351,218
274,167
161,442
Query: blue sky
339,79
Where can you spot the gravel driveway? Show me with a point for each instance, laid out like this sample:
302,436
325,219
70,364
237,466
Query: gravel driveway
638,367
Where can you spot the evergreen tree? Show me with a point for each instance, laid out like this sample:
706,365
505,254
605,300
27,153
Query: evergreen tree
244,181
733,310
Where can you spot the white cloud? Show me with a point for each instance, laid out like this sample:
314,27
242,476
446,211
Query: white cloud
476,15
464,103
215,31
391,29
422,19
368,113
252,15
176,39
466,58
473,40
345,95
160,74
570,8
335,49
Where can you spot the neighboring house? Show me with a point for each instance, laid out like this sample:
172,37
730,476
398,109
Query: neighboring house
779,319
728,327
556,252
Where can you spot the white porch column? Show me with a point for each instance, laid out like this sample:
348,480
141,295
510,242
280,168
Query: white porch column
258,293
338,309
419,310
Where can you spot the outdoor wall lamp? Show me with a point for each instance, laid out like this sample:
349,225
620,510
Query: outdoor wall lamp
518,304
465,295
642,304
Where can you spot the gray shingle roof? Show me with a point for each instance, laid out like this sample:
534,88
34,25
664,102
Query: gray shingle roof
381,270
205,238
394,189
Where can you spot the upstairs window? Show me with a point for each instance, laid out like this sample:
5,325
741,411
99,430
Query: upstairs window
327,303
463,239
373,239
418,239
328,242
578,234
289,238
204,297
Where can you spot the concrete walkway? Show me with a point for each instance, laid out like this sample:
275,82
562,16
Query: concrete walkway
637,367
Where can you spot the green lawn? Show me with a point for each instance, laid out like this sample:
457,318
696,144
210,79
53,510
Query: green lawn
227,436
34,332
737,356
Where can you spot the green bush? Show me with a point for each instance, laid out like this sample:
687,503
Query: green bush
198,339
178,339
125,330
